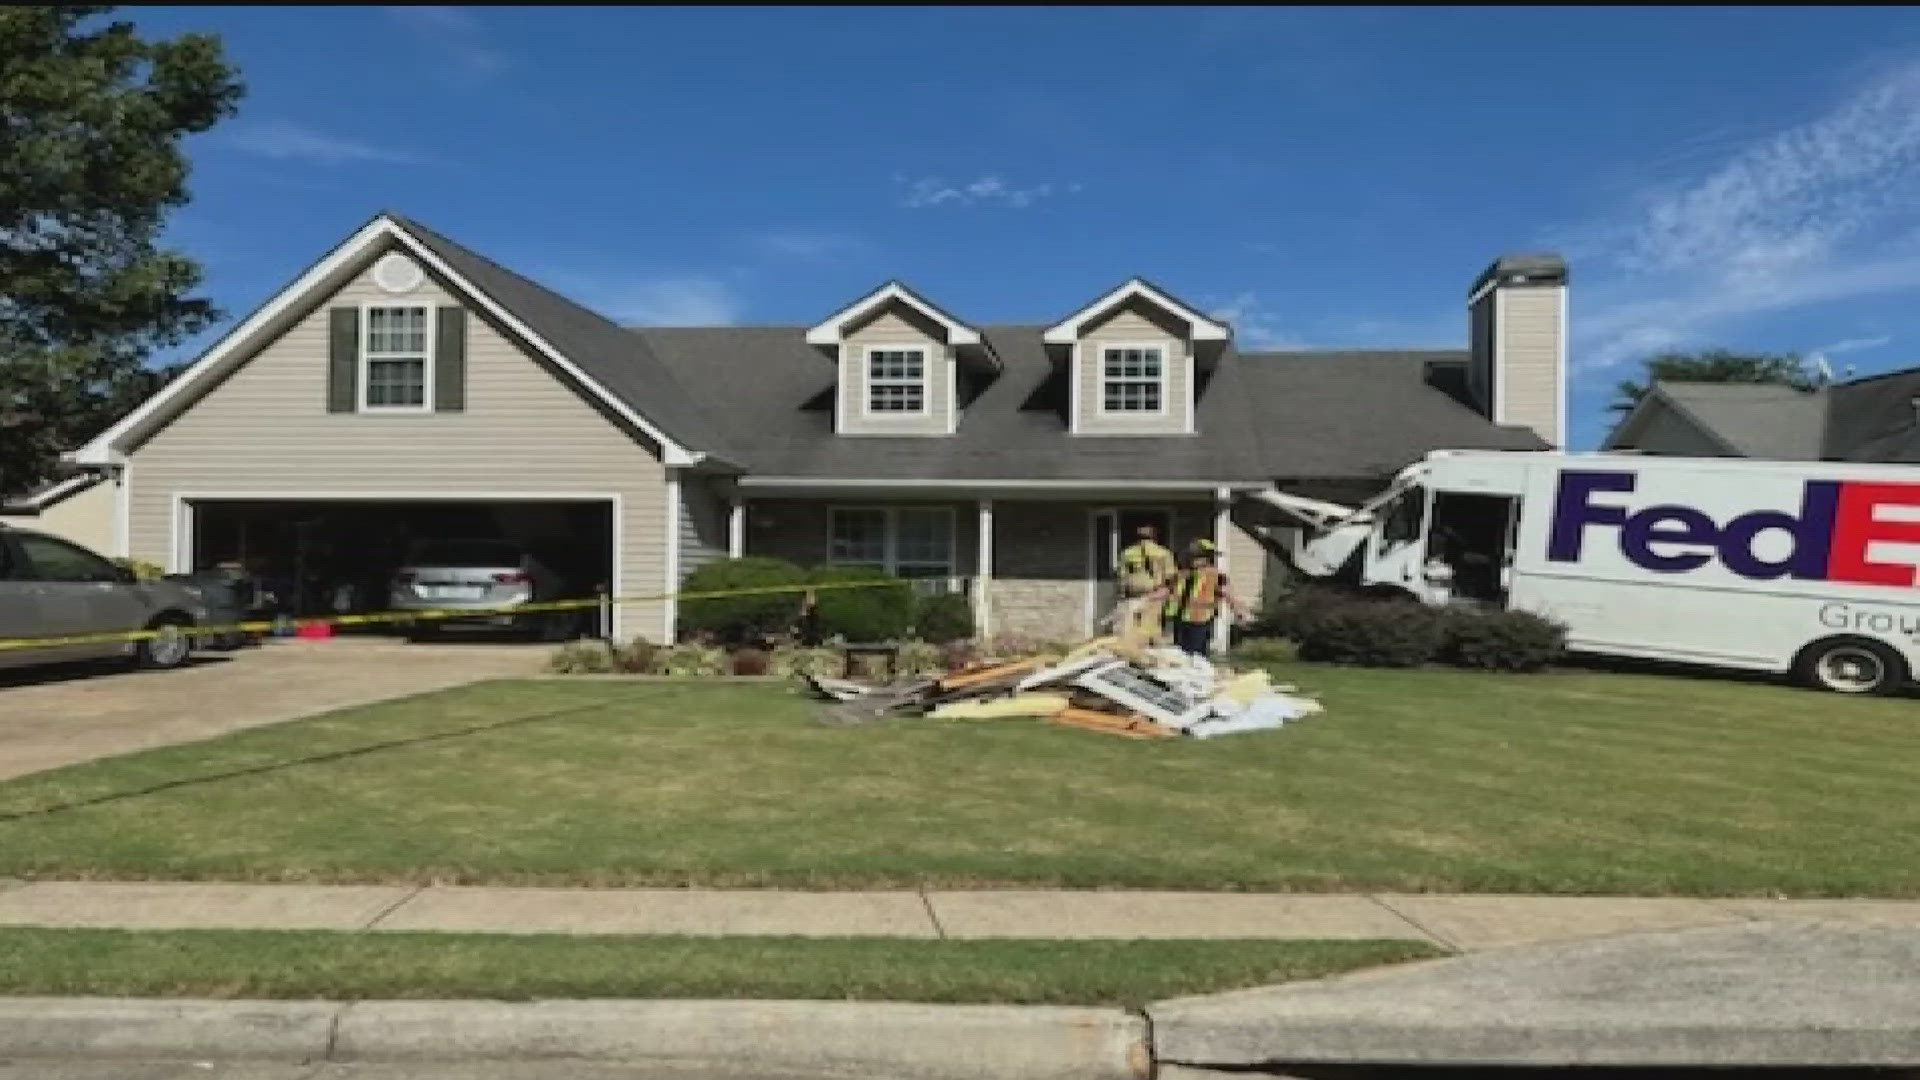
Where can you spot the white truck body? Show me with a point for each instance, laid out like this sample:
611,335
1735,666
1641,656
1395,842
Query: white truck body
1764,565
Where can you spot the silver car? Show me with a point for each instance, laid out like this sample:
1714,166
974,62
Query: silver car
479,575
54,588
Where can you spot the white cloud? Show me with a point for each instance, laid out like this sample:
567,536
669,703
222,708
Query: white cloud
1819,211
1254,324
285,140
680,300
986,191
457,33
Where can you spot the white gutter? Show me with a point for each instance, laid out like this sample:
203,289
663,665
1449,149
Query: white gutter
1208,486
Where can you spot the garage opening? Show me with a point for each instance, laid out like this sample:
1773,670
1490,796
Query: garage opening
335,557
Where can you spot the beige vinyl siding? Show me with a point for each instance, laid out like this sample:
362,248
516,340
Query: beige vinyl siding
265,430
85,517
1246,565
703,524
1530,355
896,324
1136,322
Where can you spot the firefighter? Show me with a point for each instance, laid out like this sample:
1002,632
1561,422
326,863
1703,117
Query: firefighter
1145,568
1195,596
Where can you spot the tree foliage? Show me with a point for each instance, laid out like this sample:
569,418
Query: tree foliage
91,118
1716,366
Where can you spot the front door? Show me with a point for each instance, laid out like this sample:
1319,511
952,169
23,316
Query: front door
1113,530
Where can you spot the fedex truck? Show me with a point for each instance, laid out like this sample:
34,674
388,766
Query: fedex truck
1796,567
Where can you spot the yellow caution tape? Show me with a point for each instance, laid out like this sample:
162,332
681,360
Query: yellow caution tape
265,626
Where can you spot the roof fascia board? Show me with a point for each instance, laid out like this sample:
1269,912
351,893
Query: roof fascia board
40,500
1067,330
831,332
106,448
1011,485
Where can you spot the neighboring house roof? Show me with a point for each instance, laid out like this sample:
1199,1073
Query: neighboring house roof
1318,414
1868,419
1757,420
49,494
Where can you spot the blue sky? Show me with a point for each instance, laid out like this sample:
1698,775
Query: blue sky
1323,177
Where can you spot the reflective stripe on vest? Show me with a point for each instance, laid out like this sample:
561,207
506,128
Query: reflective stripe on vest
1195,596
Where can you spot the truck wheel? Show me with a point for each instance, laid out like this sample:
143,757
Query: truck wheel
1851,665
169,647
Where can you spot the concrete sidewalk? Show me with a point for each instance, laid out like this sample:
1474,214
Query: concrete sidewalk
1463,923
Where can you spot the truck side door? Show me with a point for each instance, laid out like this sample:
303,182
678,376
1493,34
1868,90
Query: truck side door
1396,552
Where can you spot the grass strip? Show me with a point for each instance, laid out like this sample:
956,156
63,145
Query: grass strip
343,965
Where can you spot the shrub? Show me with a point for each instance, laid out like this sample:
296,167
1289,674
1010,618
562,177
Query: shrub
751,661
584,657
691,658
736,620
1289,612
1015,646
637,657
1501,640
1373,633
142,569
791,662
1261,651
944,617
922,658
872,613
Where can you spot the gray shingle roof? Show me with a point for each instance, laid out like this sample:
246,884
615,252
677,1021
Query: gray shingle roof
1760,420
611,356
1874,419
1263,415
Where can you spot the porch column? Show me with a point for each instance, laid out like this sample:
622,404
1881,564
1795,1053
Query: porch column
1222,528
983,571
736,528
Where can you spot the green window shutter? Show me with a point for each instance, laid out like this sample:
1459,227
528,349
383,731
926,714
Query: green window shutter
343,359
450,360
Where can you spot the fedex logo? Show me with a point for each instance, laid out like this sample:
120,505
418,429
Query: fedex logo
1826,540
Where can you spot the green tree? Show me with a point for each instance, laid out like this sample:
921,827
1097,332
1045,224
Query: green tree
1715,365
91,118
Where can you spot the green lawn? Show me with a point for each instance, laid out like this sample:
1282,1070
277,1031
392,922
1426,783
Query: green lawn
349,966
1432,780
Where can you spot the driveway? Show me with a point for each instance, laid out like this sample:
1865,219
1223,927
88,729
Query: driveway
59,716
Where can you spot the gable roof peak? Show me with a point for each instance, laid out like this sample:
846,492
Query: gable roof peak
1204,327
832,330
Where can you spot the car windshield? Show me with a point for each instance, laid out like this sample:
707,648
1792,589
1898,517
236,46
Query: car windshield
466,553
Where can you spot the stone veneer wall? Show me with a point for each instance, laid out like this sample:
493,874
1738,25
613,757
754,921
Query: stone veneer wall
1040,571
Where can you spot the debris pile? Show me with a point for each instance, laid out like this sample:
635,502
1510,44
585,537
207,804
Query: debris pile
1114,685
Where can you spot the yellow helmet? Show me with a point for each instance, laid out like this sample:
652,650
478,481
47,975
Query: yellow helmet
1206,546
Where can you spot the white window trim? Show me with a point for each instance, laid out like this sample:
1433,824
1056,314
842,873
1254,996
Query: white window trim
1100,384
364,362
890,561
867,382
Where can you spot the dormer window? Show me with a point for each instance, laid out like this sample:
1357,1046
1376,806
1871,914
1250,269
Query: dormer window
897,381
1133,379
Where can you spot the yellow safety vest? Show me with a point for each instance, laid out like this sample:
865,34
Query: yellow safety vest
1143,566
1196,595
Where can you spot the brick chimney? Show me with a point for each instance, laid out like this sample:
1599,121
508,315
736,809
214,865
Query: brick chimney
1517,343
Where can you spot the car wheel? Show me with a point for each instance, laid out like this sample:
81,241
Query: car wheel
1851,665
170,646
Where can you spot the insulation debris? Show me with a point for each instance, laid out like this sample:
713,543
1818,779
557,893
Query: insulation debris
1118,685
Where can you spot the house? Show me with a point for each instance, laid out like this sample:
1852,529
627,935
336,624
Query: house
79,508
404,384
1875,418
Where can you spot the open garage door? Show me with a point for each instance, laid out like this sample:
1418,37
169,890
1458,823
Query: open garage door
338,556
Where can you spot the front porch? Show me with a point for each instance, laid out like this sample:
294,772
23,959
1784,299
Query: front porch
1034,561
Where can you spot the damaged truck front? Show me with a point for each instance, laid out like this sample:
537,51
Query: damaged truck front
1801,567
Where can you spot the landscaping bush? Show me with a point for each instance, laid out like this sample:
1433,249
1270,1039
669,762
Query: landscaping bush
740,620
922,658
944,617
691,658
791,662
142,569
584,657
1261,651
1013,646
1373,633
882,612
637,657
1501,640
751,662
1287,613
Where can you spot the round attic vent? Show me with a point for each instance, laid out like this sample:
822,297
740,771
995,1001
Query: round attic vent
397,274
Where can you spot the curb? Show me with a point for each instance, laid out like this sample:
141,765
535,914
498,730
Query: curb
745,1038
